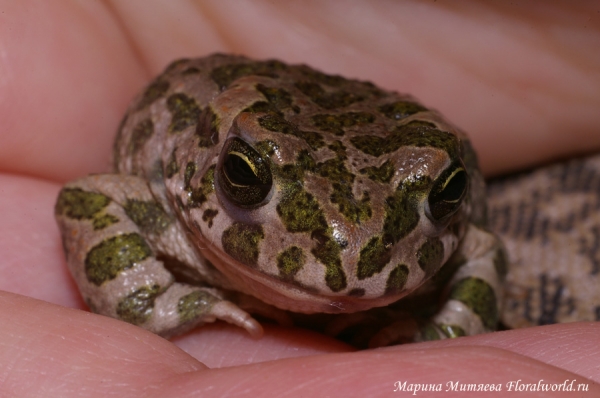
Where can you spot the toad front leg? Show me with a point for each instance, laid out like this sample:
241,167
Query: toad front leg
476,290
118,238
473,296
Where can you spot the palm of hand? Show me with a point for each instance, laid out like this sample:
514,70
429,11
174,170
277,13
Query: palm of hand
62,101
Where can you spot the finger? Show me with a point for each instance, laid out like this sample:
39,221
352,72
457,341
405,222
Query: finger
75,353
32,256
47,350
219,345
492,69
505,73
449,369
574,347
67,76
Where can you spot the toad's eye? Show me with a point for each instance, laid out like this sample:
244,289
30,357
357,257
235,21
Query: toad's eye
244,175
448,192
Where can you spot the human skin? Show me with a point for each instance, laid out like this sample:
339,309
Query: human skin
522,80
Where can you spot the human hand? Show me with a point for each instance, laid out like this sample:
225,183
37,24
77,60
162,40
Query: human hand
506,75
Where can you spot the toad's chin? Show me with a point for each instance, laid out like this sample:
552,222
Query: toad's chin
292,297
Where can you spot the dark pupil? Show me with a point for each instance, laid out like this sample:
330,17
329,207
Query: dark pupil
239,172
447,193
455,187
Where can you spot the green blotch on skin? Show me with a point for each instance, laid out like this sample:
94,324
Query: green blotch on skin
207,129
241,241
336,81
397,279
207,183
137,307
104,221
276,123
291,177
140,134
480,297
328,252
184,112
327,100
154,91
335,278
401,210
224,75
198,195
354,210
290,261
338,148
320,77
78,204
382,174
335,170
149,216
452,331
356,292
373,258
336,123
401,109
430,256
261,107
195,305
266,148
190,171
299,211
305,161
416,133
114,255
172,166
208,216
278,98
